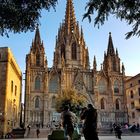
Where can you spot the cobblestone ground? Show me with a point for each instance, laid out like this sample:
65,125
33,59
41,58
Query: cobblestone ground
100,138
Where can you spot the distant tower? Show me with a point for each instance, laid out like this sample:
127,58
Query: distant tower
111,87
111,59
36,83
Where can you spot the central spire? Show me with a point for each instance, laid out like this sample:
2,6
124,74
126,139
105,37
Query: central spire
70,20
110,49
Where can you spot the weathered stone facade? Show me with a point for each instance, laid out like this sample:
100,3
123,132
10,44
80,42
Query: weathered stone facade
71,69
10,91
132,86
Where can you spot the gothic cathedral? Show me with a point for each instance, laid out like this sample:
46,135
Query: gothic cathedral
71,69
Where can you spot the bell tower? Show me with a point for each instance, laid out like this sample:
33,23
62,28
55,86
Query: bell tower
111,58
36,83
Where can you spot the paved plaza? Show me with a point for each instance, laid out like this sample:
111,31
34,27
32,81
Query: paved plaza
100,138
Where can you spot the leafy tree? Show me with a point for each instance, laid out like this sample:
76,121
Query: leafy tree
69,97
21,15
128,10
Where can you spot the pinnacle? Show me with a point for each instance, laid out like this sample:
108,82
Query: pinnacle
70,20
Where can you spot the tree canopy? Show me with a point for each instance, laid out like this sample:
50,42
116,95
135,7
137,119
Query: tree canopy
21,15
128,10
71,98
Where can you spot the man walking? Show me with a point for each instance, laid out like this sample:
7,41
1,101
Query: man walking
90,123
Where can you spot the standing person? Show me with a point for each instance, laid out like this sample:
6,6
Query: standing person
118,131
90,123
29,127
68,119
137,127
37,132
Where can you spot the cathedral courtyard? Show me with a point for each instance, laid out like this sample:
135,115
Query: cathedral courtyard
73,76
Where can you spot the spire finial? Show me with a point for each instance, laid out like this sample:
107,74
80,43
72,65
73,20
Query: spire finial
94,63
123,69
70,20
110,49
37,35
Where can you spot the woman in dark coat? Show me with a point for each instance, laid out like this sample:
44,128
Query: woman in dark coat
90,123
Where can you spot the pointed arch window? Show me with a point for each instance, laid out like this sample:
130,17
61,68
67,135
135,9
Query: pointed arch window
102,86
53,101
102,103
114,65
117,104
73,51
54,83
37,83
132,105
131,94
37,59
37,102
63,51
116,87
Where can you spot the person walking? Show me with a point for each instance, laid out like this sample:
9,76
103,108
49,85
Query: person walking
90,123
37,132
118,131
29,127
68,118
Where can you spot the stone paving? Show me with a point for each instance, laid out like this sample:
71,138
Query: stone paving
44,134
100,138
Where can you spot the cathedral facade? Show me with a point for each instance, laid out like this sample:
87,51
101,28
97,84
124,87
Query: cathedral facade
71,69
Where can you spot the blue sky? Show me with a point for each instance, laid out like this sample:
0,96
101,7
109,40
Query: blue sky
96,39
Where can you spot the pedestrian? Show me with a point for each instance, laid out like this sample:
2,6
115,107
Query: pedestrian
29,127
115,129
68,118
137,127
90,123
37,132
118,131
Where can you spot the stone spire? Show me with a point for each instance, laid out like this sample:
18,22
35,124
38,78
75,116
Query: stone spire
70,20
37,45
117,52
94,64
87,59
70,42
110,49
123,69
111,59
37,36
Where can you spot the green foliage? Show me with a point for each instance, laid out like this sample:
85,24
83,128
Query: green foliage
128,10
21,15
71,98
